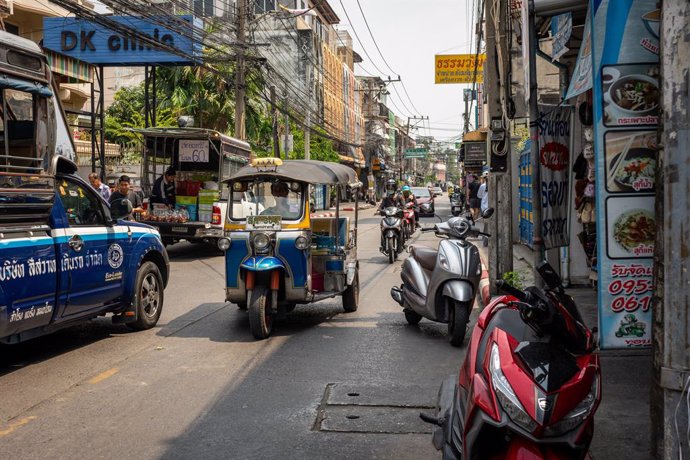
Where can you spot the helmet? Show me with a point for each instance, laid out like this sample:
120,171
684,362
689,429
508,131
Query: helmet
390,184
406,188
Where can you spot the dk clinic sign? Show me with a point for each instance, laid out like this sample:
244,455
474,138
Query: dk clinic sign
91,42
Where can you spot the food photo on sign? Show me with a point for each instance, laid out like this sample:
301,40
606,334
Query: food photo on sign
631,161
631,227
631,94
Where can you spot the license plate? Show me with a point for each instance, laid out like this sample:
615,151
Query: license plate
263,222
179,229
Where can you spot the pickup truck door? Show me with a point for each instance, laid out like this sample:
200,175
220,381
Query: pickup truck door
91,253
28,281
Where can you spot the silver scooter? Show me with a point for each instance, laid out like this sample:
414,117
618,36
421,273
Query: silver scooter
392,242
441,285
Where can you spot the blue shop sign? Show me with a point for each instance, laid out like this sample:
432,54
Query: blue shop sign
91,42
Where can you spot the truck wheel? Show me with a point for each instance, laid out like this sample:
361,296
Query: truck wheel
260,317
148,297
351,295
459,316
412,317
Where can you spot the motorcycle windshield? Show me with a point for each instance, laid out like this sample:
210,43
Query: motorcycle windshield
551,366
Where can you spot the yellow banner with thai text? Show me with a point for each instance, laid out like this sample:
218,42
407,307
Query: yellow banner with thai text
459,68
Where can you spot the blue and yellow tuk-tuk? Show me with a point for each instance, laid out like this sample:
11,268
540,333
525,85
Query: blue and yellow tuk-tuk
277,254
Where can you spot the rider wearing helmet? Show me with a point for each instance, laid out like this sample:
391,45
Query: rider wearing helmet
408,197
391,198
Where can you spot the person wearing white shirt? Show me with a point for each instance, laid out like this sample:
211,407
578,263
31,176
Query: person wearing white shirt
483,193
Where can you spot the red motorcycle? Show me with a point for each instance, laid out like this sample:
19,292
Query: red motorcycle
409,221
530,383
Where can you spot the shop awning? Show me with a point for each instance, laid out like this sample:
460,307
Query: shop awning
77,71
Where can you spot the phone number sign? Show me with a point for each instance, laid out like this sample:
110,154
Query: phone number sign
459,68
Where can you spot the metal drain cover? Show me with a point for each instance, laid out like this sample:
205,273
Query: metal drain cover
386,409
373,419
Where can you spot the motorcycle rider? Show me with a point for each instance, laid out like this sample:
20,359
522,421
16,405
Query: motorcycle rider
408,197
391,198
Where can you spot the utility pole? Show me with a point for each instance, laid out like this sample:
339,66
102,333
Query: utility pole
307,128
274,122
286,148
240,90
466,97
537,242
409,119
499,185
671,259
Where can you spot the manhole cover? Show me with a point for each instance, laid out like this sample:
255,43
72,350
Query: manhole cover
374,409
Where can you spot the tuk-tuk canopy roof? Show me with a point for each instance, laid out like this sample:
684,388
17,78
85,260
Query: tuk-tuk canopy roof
310,171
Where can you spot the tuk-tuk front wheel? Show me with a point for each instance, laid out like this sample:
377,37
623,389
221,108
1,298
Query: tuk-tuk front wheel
351,295
260,316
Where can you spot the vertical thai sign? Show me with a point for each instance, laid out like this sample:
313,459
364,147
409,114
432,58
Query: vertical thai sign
554,160
625,44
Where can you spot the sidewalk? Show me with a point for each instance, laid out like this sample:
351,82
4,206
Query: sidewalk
622,428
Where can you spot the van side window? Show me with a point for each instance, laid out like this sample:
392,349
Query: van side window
83,207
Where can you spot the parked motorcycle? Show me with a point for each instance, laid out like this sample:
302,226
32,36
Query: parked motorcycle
530,382
441,285
456,204
409,221
392,238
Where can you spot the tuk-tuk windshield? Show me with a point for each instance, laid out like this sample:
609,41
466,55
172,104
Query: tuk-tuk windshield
267,198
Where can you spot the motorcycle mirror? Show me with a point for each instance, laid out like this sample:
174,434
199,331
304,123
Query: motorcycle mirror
488,212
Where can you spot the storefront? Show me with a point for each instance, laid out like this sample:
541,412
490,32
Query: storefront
598,161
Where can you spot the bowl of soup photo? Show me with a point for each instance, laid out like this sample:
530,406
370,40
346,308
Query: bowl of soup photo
635,95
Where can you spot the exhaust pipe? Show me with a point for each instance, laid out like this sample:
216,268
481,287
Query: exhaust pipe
396,294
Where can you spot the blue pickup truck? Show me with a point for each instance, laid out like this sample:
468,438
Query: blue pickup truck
65,255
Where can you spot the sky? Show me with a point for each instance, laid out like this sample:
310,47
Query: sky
409,33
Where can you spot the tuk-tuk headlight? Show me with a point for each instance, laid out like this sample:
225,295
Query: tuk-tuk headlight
261,241
302,242
223,244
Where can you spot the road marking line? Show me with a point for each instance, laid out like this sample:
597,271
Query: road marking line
104,375
14,425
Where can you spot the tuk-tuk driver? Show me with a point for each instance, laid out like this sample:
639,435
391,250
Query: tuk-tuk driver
280,192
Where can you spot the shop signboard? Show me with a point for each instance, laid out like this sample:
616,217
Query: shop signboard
554,159
475,155
91,42
193,151
582,75
625,46
459,68
561,28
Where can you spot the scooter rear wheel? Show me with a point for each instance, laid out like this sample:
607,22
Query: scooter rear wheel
412,317
459,316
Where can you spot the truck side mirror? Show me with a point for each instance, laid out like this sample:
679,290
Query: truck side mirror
120,208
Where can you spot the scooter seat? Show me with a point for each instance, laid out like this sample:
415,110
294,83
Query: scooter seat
425,256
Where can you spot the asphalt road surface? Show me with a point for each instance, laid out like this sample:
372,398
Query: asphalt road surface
326,385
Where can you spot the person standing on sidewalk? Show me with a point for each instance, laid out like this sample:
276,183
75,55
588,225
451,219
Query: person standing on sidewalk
100,187
475,202
483,192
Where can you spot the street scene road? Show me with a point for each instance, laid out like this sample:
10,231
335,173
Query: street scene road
325,385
